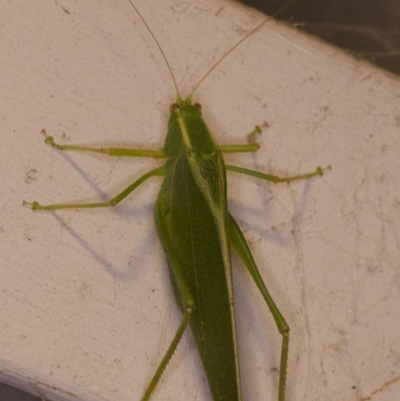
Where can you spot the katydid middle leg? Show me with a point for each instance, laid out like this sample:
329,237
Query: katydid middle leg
114,201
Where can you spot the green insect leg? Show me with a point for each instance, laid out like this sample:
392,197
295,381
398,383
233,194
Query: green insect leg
275,179
155,154
187,300
114,201
241,247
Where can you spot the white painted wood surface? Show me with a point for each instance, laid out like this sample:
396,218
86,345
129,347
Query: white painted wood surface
86,305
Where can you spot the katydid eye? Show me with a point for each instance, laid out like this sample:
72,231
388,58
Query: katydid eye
198,105
173,107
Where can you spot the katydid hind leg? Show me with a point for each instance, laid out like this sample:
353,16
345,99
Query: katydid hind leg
180,287
242,248
168,355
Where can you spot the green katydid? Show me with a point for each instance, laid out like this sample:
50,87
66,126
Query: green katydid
196,231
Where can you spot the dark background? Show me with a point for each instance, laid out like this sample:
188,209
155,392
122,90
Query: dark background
369,29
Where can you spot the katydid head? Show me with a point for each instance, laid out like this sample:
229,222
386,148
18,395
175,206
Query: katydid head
185,109
186,102
187,131
181,103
